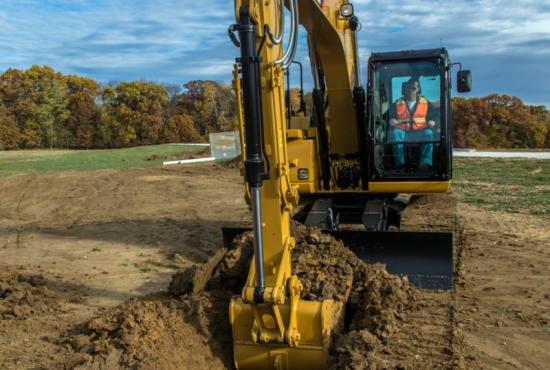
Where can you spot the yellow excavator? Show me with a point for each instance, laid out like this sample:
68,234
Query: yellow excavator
341,166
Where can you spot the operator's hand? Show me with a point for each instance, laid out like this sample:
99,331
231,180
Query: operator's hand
393,122
431,124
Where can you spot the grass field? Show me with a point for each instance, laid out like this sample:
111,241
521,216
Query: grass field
512,185
37,161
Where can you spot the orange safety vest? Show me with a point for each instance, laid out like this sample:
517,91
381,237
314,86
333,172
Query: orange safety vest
419,117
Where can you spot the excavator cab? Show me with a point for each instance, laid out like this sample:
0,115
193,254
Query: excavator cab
409,116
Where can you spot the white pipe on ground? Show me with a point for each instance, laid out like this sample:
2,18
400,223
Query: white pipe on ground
190,144
188,161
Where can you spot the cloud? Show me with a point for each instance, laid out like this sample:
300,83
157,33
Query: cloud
119,39
506,43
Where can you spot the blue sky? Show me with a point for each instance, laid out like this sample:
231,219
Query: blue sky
506,43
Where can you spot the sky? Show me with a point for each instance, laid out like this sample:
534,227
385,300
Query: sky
506,43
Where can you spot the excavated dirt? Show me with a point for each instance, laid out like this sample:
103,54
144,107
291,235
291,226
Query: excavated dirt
31,303
24,295
165,331
236,162
201,153
184,329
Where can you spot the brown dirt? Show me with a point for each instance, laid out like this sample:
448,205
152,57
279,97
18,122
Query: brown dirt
184,329
236,162
148,333
104,237
87,259
201,153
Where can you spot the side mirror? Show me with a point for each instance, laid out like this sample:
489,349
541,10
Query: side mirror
464,81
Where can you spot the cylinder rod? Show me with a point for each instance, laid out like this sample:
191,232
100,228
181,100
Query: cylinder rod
258,243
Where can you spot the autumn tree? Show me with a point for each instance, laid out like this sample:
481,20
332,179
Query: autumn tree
84,113
136,112
16,104
10,134
211,105
48,112
543,115
180,129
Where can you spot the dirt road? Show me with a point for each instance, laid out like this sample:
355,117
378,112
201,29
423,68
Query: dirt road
74,246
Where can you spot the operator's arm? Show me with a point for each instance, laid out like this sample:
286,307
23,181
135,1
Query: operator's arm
393,115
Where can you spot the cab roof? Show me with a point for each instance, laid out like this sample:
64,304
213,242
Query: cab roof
409,55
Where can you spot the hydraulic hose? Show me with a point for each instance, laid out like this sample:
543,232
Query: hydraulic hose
290,52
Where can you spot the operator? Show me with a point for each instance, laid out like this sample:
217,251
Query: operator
410,123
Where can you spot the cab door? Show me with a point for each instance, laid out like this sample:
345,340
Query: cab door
408,132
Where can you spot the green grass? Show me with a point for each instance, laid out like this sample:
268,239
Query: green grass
39,161
146,269
510,185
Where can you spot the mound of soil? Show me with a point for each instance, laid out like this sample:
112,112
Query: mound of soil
375,300
153,333
236,162
23,295
201,153
188,328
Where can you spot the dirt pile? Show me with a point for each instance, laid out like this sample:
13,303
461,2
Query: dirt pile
23,295
185,329
200,153
192,329
153,333
376,301
236,162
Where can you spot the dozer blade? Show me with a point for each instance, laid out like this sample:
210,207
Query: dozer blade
425,258
315,324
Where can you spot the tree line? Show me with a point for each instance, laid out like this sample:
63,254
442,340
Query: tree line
42,108
499,121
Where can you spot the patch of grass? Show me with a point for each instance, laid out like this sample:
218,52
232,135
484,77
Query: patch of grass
22,162
510,185
146,269
96,249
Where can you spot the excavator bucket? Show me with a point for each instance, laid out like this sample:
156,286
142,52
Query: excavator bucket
315,323
424,258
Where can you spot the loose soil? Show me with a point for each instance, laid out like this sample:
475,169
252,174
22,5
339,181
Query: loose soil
201,153
105,270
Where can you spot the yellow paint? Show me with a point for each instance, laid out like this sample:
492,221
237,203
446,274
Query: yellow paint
410,187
